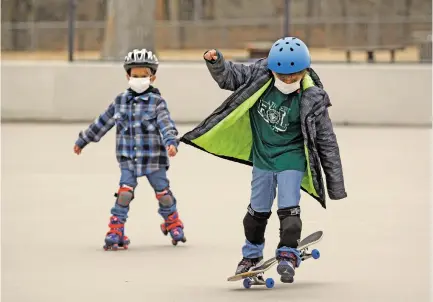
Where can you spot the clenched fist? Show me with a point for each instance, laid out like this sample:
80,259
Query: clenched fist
171,150
77,150
211,55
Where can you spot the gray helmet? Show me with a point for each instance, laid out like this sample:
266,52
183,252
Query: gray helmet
141,58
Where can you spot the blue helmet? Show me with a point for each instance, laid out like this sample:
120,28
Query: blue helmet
288,55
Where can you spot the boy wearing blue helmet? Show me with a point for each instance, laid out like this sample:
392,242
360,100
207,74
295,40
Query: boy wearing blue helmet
276,121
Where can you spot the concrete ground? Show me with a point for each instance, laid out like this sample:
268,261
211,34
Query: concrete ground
55,211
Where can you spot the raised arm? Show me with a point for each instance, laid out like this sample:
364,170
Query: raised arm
228,75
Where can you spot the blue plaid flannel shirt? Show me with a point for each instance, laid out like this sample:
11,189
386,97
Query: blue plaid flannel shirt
144,129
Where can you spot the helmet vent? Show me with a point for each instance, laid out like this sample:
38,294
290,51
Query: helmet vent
292,63
277,44
291,49
298,44
287,42
279,64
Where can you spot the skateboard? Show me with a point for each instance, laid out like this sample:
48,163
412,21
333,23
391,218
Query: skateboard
254,277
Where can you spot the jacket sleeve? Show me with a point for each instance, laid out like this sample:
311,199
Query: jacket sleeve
102,124
228,75
329,153
166,125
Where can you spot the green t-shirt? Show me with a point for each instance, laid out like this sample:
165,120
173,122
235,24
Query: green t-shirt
278,143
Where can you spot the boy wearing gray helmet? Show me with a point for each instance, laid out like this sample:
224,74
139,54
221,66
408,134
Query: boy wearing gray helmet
145,137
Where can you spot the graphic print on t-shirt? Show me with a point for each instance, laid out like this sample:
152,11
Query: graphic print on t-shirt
277,118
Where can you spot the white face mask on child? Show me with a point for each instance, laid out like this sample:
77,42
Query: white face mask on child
286,88
139,85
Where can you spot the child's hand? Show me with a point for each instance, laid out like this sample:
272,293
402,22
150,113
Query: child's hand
211,55
171,150
77,150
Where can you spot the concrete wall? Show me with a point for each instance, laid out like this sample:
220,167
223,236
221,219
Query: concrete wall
369,94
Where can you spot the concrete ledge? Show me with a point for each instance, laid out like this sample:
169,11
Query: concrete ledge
59,91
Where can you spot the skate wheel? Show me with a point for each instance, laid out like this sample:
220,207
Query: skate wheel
270,283
315,253
174,242
183,240
115,247
247,283
125,247
105,248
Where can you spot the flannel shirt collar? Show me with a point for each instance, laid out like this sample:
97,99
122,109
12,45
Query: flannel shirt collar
143,96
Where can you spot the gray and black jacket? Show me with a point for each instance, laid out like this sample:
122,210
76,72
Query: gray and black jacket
226,133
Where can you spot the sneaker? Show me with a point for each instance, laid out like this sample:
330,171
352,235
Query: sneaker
248,264
287,262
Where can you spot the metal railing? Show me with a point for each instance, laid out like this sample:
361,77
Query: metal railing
319,30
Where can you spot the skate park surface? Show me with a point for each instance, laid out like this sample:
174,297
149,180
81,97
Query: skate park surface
56,207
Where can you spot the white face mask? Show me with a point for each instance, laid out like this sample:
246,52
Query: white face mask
139,85
286,88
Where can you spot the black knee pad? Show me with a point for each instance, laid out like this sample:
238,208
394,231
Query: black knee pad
290,226
255,225
124,196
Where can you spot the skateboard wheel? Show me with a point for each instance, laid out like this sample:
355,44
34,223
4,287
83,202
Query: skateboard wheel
247,283
315,253
270,283
174,242
105,247
125,247
183,240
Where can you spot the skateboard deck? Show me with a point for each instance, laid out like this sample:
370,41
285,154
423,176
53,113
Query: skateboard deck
307,242
303,246
258,270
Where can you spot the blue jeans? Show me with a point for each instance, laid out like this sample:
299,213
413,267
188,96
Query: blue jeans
159,182
263,192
